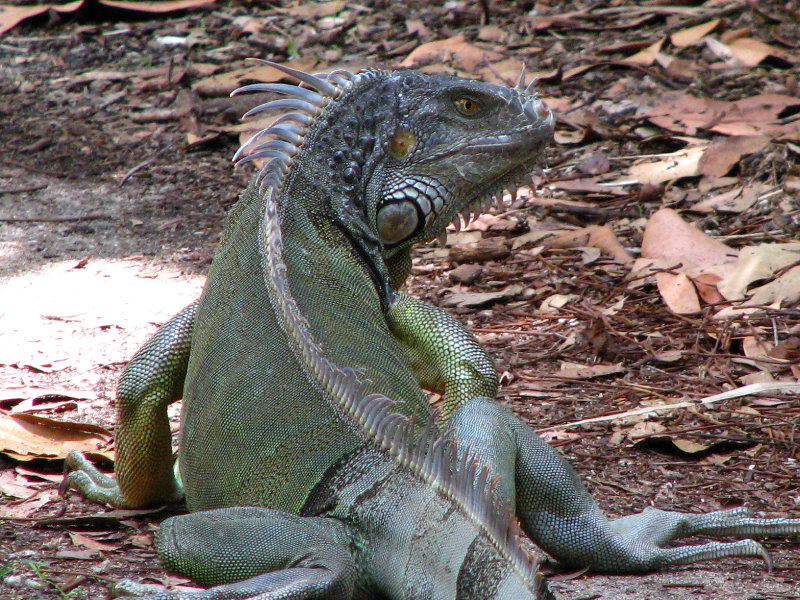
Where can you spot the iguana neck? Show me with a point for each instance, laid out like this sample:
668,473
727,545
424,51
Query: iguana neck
341,148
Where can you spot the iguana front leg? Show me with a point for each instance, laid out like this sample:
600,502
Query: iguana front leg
444,355
152,380
251,552
560,515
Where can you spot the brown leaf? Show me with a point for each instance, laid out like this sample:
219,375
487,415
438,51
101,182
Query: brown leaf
678,293
455,51
677,245
581,371
480,299
14,486
223,84
750,52
28,507
552,303
683,163
25,437
706,285
788,349
758,263
783,291
314,10
11,15
87,542
753,347
692,35
646,57
755,115
722,155
737,200
599,236
668,236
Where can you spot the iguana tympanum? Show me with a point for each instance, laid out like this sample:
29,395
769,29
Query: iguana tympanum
308,455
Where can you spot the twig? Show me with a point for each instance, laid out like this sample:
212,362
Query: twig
28,167
143,164
91,217
20,190
747,390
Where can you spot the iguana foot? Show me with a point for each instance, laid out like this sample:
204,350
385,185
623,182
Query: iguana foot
253,553
81,475
287,584
654,528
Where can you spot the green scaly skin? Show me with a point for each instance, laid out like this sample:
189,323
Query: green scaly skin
305,282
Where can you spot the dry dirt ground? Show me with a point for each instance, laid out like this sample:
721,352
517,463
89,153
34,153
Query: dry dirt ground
115,177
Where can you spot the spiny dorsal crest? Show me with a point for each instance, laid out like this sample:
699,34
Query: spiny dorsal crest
458,474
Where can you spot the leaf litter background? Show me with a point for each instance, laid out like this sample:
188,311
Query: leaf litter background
656,263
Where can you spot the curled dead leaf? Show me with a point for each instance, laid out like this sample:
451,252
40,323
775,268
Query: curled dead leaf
26,437
599,236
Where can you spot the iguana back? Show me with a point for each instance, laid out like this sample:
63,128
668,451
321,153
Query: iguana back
255,430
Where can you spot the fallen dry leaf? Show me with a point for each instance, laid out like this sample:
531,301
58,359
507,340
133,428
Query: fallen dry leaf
480,299
706,285
736,200
312,11
551,304
647,56
753,347
455,51
692,35
26,437
668,236
599,236
676,245
14,486
223,84
721,156
756,115
26,508
581,371
678,293
11,15
683,163
749,52
757,263
783,291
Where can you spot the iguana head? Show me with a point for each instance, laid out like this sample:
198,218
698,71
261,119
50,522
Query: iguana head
397,156
452,145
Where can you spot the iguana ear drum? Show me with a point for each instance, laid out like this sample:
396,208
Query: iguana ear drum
398,220
402,143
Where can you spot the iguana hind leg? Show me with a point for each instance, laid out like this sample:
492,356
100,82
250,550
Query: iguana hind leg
254,553
152,380
445,357
560,515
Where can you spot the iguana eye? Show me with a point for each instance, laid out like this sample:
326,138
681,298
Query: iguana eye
467,106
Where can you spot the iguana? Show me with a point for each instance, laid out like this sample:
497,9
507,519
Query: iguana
309,454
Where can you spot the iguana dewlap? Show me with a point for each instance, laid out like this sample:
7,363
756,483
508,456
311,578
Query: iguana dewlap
308,453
